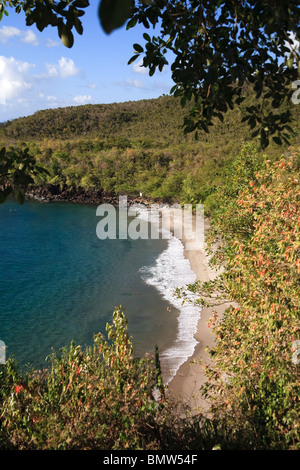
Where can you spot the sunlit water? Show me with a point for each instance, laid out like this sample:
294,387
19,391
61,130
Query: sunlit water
59,283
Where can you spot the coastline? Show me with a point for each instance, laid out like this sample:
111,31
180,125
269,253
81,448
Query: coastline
185,386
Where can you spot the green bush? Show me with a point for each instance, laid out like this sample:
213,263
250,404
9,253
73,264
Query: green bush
100,398
253,379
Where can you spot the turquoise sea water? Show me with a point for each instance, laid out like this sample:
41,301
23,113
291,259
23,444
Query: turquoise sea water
59,283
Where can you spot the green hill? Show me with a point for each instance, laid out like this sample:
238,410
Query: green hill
151,119
135,147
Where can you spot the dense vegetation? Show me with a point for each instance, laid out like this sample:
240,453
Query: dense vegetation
254,379
134,147
100,397
252,198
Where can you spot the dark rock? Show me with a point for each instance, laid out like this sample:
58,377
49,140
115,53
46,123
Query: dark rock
53,193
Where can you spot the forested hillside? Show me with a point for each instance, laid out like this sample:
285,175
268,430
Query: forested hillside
135,147
153,118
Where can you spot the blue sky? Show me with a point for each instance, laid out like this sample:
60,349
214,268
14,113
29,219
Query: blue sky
38,72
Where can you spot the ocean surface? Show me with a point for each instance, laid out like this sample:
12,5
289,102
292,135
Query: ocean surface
60,282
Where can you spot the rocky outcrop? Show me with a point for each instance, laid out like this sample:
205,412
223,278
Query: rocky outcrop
53,193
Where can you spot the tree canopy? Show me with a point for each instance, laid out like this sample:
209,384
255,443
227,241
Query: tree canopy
216,47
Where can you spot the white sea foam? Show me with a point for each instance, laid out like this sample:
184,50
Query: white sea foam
170,271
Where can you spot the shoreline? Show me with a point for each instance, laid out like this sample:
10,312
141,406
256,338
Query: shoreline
184,387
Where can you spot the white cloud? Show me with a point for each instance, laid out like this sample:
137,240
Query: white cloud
137,67
52,70
134,83
8,32
30,38
14,79
82,99
67,67
64,68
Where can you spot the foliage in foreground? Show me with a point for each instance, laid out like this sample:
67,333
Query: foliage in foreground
255,374
99,398
103,398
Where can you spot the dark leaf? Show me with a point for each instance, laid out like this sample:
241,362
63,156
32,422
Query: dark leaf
19,195
78,26
2,197
65,35
277,140
255,133
252,122
114,13
133,58
131,23
81,3
138,48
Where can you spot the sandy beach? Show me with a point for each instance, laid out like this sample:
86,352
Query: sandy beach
185,386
